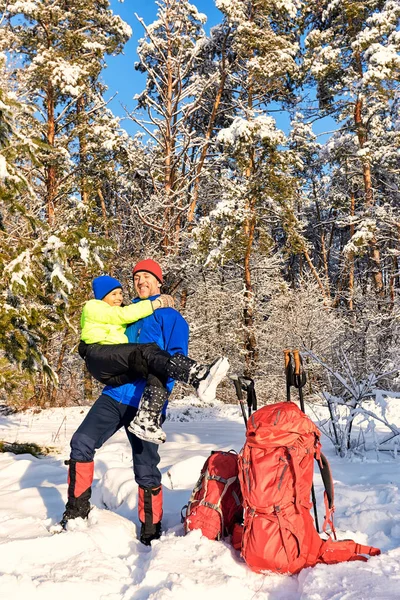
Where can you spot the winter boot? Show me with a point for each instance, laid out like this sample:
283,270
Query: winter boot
204,378
75,508
146,424
150,513
80,477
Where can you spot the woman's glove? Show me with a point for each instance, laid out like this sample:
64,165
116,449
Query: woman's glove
163,301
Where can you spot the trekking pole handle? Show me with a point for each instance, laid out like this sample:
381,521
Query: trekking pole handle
299,374
297,362
287,358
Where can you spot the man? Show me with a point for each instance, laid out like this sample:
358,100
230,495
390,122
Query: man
117,406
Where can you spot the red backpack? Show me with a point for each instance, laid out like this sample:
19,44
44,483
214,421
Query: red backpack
216,501
276,467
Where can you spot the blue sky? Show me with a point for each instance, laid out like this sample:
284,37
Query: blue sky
122,79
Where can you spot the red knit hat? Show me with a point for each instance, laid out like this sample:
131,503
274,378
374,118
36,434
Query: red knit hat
150,266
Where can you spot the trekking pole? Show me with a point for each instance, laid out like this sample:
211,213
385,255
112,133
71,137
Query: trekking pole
288,372
239,393
299,381
299,378
248,385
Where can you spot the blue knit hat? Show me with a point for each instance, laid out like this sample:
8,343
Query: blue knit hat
103,285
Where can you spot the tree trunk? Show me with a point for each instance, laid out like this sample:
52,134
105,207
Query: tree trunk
103,211
80,111
392,283
60,361
250,341
248,311
322,242
374,253
315,273
168,149
87,385
51,178
351,258
210,128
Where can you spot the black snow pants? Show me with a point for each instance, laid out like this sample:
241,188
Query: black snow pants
117,364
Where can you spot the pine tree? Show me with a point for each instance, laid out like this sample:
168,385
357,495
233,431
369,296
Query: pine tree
256,172
353,56
58,50
176,88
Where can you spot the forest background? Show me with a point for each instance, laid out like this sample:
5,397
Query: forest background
273,232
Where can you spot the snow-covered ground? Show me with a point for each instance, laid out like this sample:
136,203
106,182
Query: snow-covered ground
102,559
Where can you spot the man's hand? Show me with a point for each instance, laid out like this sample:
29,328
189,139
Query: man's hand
163,301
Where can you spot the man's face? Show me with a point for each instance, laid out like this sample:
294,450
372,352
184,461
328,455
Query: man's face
114,298
146,284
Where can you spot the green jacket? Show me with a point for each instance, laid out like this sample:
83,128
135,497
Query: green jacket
105,324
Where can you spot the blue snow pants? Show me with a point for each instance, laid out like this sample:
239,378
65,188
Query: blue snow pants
105,418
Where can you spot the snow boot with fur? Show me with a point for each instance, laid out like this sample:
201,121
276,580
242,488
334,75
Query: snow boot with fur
204,378
146,423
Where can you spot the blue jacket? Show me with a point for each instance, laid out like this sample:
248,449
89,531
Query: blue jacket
167,328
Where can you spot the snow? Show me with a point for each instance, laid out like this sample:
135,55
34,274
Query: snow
291,7
3,166
362,237
53,244
84,251
20,268
69,77
22,6
243,130
102,560
59,273
382,62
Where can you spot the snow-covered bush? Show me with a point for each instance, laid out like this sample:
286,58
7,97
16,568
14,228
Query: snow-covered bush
355,405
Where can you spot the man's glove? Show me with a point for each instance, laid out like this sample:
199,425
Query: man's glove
163,301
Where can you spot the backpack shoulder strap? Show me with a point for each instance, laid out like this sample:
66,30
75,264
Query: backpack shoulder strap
326,475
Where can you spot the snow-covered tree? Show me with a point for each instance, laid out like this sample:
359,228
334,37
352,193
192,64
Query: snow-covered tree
62,46
255,172
57,52
352,53
180,82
